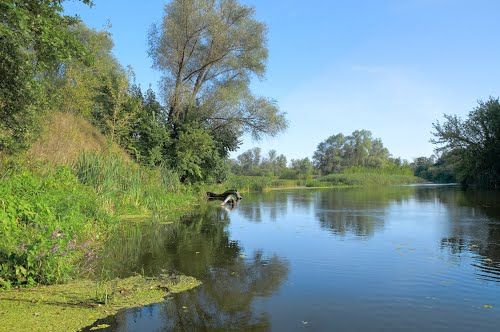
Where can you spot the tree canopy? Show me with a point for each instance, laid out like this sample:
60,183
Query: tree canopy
473,144
34,38
251,162
358,149
208,51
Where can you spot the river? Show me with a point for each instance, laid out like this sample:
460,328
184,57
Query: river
407,258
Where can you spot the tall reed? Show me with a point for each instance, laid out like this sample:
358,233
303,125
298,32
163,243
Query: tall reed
126,188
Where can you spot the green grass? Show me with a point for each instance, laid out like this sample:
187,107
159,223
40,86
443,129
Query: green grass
252,183
359,176
127,189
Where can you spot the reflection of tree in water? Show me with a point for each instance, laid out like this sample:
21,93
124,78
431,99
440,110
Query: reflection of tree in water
189,246
198,246
474,227
274,204
225,300
360,212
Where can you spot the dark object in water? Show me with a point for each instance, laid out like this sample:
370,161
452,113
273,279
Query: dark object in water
230,196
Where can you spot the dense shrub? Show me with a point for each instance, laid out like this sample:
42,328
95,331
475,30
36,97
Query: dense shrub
46,223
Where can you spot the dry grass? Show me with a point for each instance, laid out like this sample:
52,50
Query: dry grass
65,137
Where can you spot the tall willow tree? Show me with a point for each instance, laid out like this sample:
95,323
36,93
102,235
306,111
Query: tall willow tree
208,51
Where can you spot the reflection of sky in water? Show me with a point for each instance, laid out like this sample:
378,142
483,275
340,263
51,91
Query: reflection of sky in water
353,253
412,258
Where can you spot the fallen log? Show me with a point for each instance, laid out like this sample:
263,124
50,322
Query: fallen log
230,196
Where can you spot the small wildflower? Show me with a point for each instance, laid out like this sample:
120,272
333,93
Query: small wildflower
57,234
54,249
72,244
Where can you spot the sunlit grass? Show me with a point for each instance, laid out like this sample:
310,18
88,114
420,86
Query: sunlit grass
126,188
363,176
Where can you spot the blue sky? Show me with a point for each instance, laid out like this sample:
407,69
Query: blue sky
392,67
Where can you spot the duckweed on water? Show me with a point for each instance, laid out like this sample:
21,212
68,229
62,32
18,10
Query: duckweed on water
72,306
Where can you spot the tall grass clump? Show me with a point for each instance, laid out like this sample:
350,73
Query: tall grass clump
390,170
126,188
48,222
366,176
247,183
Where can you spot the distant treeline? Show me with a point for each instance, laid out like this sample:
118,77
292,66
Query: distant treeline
334,155
468,152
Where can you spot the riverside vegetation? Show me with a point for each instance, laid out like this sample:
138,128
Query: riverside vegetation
84,148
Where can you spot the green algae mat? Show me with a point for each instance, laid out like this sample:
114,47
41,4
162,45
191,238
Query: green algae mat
72,306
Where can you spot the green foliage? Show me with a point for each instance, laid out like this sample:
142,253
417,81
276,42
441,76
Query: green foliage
79,83
246,183
195,156
46,222
34,38
359,149
435,170
149,138
249,183
389,169
472,145
208,52
250,162
103,92
116,108
302,169
125,188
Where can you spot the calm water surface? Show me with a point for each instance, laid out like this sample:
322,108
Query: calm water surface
400,258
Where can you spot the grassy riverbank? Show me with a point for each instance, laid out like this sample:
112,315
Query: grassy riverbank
54,217
365,177
53,222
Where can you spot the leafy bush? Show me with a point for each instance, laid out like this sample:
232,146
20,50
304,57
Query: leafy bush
46,222
195,157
